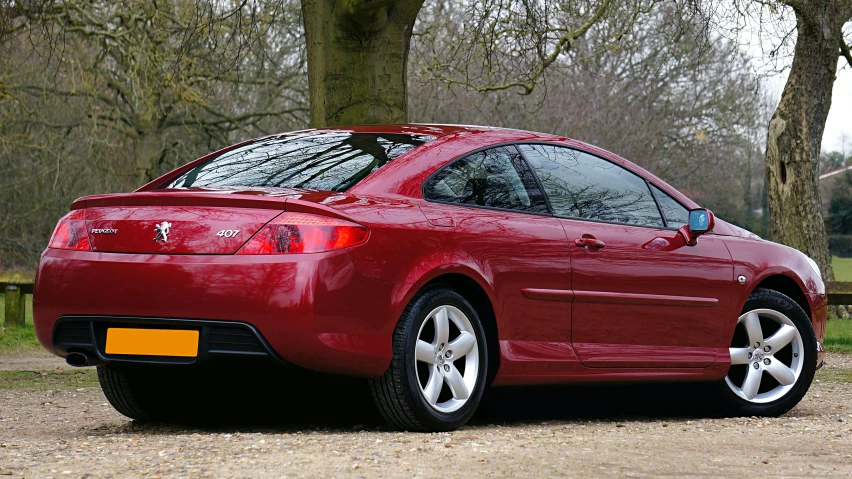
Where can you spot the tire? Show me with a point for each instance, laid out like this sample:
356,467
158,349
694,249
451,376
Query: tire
799,356
401,393
140,392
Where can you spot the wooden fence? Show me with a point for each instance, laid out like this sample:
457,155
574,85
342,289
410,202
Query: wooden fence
839,292
16,285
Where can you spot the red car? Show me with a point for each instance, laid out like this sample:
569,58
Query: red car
433,260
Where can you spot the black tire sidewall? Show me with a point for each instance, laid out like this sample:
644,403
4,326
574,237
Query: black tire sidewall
769,299
425,304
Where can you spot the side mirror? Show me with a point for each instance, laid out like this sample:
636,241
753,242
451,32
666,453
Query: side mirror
701,221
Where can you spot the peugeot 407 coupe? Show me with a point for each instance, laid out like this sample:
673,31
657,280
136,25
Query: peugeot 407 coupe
432,260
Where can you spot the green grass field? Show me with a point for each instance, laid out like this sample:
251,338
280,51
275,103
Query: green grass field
18,340
838,336
842,268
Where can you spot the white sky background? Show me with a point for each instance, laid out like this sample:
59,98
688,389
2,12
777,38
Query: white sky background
840,116
757,43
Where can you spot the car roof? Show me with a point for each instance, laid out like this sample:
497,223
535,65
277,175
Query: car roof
433,129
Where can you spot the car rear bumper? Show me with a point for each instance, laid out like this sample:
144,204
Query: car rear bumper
87,335
310,310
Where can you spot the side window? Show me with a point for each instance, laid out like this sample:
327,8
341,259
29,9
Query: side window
675,213
580,185
496,178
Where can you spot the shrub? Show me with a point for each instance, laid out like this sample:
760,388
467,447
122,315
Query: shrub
840,245
840,205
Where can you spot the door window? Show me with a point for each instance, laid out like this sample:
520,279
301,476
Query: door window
675,213
580,185
494,178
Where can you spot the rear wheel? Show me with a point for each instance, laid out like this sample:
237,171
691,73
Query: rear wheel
132,391
167,393
437,375
773,356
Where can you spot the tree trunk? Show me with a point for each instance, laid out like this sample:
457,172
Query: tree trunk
357,59
795,134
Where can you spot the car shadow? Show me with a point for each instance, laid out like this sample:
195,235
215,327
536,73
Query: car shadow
603,402
275,400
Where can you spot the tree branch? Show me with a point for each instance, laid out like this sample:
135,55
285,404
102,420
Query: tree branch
563,44
23,215
844,52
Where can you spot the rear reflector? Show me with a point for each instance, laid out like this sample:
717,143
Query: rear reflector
70,232
305,233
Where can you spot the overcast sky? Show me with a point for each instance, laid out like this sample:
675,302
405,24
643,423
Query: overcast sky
840,116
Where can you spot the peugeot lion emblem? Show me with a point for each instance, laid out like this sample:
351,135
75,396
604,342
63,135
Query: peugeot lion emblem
162,230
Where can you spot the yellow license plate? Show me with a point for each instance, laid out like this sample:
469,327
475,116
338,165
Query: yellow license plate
152,342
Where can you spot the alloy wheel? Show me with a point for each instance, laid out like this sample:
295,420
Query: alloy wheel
447,355
766,356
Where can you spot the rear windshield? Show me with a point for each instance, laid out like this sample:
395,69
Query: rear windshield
332,161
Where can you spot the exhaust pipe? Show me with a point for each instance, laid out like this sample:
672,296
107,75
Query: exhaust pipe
77,360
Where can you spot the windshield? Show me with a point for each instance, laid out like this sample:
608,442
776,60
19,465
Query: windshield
333,161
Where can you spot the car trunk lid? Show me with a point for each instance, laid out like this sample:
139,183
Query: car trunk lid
201,221
173,229
175,223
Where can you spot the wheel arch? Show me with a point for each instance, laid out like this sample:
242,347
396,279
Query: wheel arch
476,293
788,286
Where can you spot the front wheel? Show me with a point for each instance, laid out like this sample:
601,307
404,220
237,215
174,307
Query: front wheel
437,374
773,356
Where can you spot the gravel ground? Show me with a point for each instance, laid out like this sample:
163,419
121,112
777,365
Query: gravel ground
838,361
602,431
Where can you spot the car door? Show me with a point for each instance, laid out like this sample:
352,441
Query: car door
502,224
642,297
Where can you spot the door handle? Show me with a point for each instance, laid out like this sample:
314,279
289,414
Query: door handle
585,242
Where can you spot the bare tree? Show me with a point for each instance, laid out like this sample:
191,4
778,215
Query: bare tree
795,131
101,96
685,108
358,49
146,69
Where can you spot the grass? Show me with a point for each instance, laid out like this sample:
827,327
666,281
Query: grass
18,340
835,375
838,336
838,332
43,380
842,268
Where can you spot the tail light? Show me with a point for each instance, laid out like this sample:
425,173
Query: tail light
305,233
70,232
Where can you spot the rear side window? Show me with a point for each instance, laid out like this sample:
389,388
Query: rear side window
333,161
675,213
580,185
494,178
